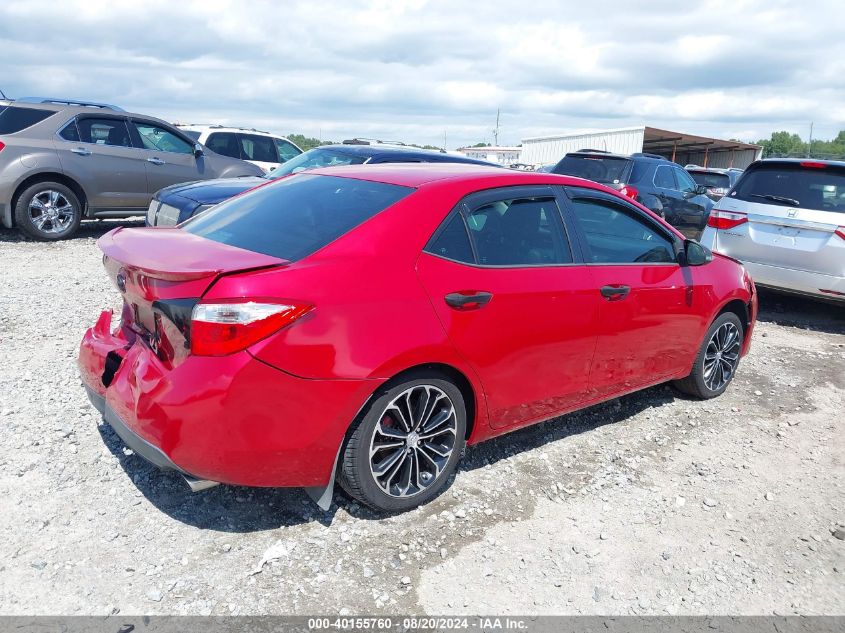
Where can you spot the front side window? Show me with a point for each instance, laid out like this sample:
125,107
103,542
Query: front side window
286,150
258,148
104,131
317,157
616,235
685,182
519,232
663,177
297,216
160,139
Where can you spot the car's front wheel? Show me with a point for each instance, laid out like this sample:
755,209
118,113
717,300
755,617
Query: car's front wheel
717,360
48,211
404,450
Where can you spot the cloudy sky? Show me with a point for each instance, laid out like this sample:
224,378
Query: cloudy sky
415,70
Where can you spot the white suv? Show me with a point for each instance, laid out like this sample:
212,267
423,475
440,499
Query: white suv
263,149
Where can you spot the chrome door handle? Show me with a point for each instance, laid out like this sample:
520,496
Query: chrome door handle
81,151
155,161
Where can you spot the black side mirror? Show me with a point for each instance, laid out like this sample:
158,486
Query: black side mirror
695,254
701,189
198,150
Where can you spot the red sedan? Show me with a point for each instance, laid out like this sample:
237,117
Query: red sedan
362,324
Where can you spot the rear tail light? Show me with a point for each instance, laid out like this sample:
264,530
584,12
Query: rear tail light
628,190
2,145
840,232
218,329
725,219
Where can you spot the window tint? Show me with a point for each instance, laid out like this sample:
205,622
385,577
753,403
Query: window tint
452,242
14,119
519,232
608,170
821,188
711,179
616,235
317,157
260,148
192,134
224,143
69,132
103,131
157,138
663,177
286,150
685,182
640,170
296,216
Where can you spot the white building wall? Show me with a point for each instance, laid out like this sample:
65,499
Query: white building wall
550,149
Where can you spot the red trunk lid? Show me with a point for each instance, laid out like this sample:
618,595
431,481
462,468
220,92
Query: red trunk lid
167,265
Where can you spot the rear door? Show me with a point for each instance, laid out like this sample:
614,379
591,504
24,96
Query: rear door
789,215
514,301
647,328
168,156
97,151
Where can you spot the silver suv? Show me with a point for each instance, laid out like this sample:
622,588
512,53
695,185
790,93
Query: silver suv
785,220
65,161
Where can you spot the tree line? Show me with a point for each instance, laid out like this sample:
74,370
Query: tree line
787,144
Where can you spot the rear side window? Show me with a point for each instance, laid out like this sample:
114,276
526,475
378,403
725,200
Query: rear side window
224,143
452,242
596,168
259,148
104,131
663,177
519,232
818,187
297,216
615,235
14,119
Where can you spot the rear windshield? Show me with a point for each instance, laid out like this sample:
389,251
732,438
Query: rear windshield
711,179
296,216
607,170
317,157
14,119
794,185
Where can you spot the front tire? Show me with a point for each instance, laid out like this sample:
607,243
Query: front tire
717,360
48,211
405,449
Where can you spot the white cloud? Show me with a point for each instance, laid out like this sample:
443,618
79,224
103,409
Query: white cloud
413,70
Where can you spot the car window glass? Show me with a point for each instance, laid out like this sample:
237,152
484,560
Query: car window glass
224,143
685,182
519,232
452,242
286,150
69,132
663,177
192,134
155,137
816,186
615,235
104,131
259,148
711,179
14,119
317,157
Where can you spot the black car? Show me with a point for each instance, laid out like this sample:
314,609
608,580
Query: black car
717,181
177,203
652,180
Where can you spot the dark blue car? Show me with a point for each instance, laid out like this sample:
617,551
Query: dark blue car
177,203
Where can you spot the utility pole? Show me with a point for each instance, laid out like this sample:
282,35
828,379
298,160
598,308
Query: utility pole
444,140
496,130
810,143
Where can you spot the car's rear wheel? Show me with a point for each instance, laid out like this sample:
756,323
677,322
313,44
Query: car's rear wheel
48,211
404,450
717,360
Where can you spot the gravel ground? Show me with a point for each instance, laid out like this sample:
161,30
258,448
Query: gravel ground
649,504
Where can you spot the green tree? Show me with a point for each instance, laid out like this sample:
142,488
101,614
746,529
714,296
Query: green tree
783,144
307,142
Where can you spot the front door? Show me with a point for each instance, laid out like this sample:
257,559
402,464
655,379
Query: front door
502,278
648,330
168,157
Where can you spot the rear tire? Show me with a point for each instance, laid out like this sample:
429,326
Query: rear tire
48,211
404,451
717,360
